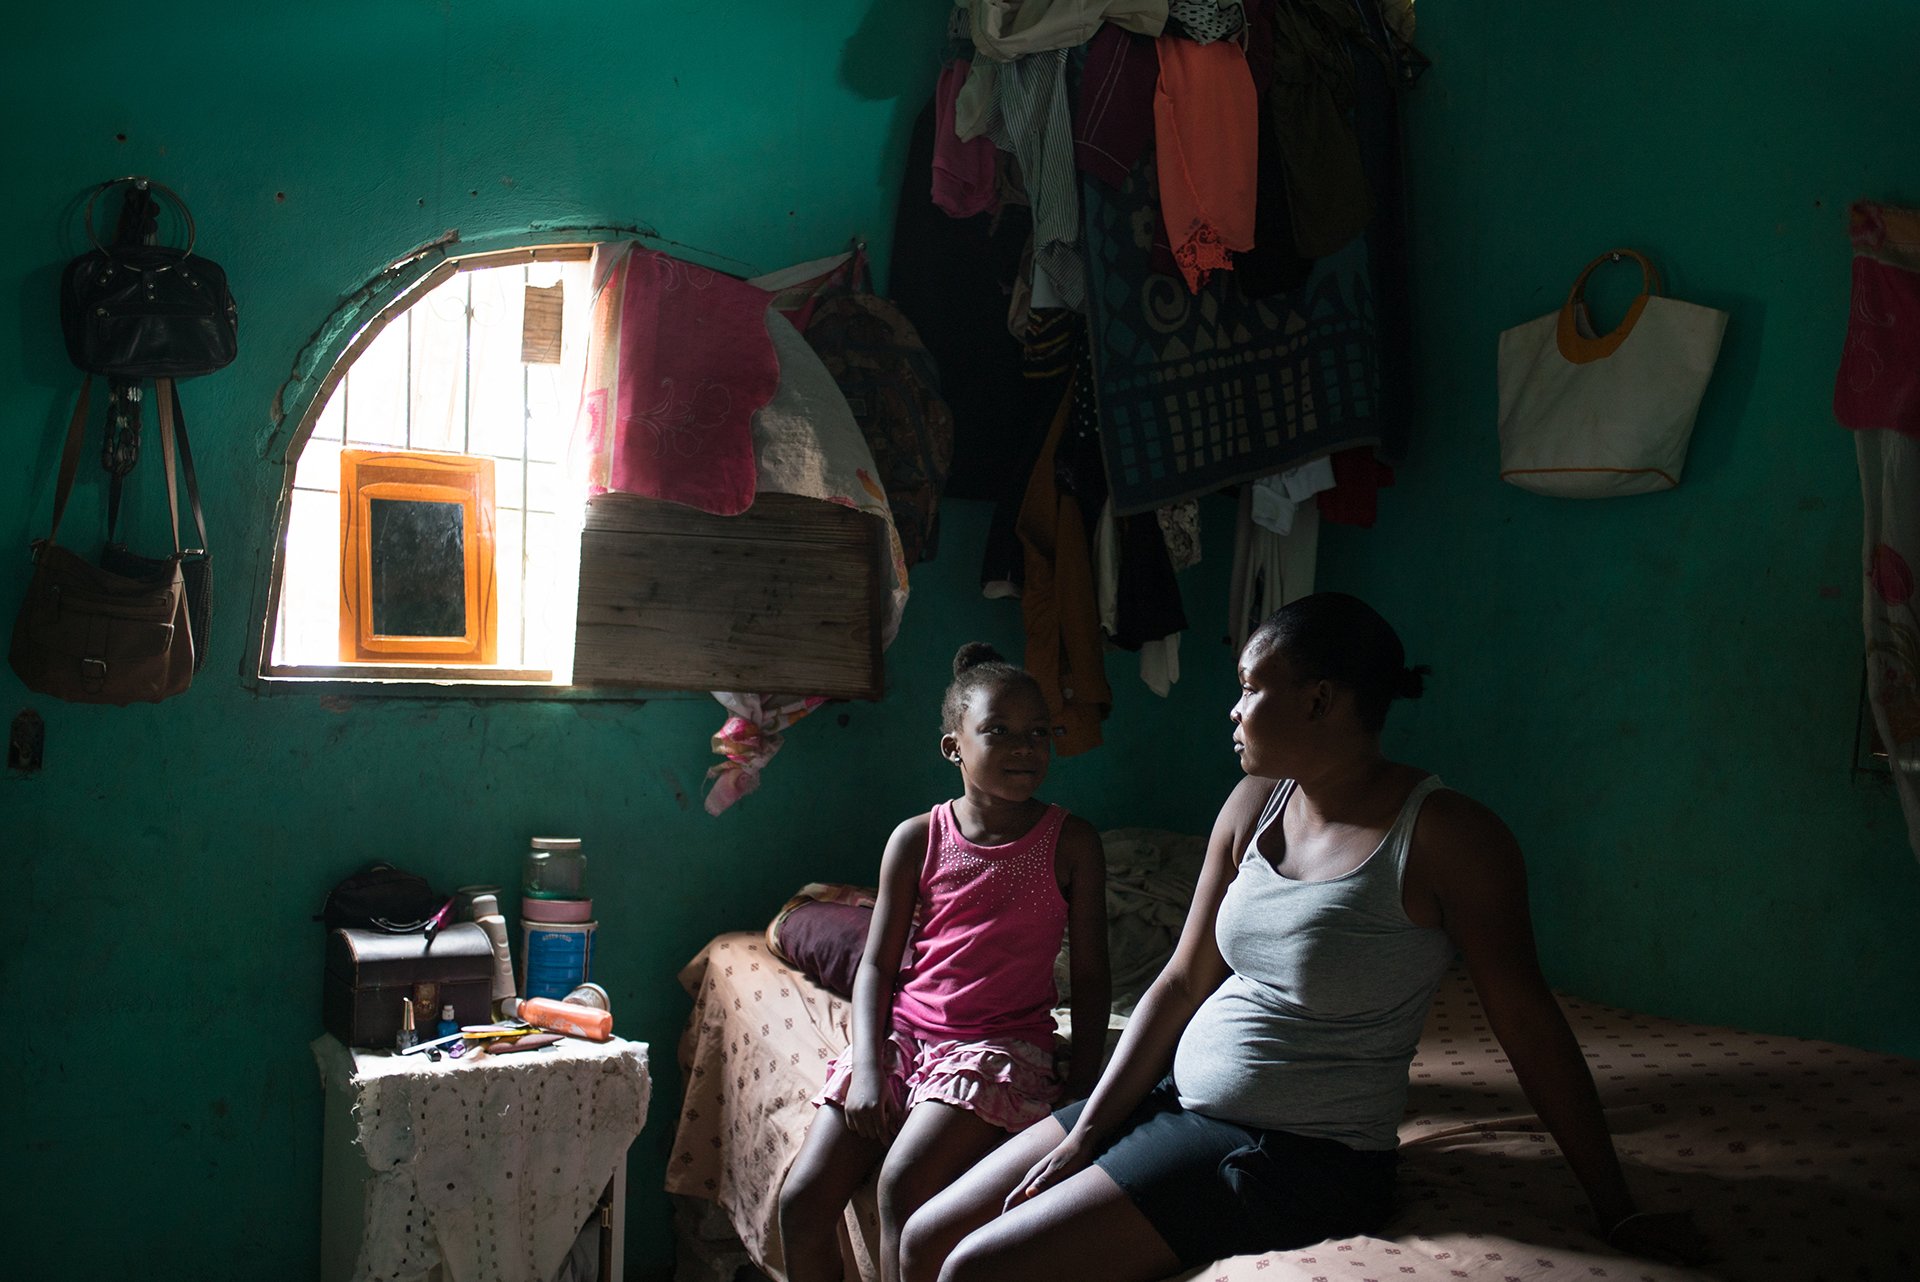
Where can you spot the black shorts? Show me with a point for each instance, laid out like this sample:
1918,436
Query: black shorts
1213,1189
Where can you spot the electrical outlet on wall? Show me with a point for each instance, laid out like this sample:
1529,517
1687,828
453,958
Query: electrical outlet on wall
27,742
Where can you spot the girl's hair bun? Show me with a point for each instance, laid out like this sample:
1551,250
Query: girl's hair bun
1412,682
972,655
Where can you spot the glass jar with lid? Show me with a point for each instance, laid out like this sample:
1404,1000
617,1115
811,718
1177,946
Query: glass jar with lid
556,868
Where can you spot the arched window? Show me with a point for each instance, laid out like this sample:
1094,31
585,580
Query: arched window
429,530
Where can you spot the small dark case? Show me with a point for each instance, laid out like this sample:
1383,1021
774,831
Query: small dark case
369,975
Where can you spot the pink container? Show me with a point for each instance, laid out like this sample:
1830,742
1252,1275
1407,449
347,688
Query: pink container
556,910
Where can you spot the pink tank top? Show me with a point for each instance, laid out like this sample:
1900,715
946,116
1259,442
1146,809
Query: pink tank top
990,923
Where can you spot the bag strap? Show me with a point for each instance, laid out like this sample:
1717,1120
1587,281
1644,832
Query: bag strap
167,432
1649,274
1582,348
70,458
173,423
139,224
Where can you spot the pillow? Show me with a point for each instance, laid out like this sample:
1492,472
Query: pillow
824,940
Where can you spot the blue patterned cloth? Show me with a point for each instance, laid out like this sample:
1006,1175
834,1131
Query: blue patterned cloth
1199,391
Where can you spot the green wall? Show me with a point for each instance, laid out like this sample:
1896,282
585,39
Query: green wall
162,869
1657,692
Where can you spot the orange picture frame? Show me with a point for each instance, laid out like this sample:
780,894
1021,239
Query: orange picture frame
417,536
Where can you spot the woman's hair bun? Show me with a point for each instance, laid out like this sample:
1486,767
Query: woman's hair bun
973,654
1412,682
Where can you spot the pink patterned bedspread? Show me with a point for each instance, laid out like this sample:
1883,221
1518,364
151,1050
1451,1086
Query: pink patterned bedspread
1800,1159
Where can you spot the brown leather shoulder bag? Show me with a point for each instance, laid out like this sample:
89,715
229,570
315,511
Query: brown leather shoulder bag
87,635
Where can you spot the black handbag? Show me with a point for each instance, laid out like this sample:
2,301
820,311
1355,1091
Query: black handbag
195,563
383,898
134,311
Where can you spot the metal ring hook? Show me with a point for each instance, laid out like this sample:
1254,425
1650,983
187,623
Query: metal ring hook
140,183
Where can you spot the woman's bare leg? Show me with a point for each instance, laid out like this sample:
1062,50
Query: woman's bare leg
832,1163
938,1143
1084,1227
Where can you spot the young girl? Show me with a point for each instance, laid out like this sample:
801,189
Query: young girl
951,1052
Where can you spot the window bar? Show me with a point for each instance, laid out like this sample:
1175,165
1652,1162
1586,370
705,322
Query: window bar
526,470
406,408
466,365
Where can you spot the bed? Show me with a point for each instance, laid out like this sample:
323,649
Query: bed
1800,1159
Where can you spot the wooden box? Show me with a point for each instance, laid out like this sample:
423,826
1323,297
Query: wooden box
787,597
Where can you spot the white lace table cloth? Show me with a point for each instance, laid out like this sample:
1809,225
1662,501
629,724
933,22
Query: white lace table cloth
486,1166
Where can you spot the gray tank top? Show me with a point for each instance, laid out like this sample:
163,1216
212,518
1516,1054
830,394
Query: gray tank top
1314,1028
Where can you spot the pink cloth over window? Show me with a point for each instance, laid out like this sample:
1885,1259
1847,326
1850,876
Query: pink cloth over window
682,356
1879,383
1206,119
990,921
963,177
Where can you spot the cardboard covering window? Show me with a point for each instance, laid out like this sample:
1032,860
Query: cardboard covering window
786,597
417,558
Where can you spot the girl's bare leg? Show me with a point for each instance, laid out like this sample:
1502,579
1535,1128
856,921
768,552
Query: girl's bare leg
832,1164
938,1143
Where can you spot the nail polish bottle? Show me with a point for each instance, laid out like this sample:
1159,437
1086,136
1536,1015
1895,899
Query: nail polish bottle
448,1024
406,1036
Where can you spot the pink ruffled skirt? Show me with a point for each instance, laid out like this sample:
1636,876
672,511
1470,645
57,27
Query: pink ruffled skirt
1008,1082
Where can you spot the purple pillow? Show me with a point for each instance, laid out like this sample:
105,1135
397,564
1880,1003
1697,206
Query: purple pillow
825,941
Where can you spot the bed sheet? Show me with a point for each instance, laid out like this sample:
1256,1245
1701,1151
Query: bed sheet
1800,1159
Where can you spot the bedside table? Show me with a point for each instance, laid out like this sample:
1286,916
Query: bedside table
482,1169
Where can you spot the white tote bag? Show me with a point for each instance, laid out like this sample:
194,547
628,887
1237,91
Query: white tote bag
1587,416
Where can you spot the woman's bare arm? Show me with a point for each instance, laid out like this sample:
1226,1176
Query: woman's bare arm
1195,970
1470,864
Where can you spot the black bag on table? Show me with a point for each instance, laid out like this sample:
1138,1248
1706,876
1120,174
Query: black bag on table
383,898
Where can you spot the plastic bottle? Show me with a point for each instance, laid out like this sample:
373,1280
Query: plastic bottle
567,1017
448,1024
503,988
555,868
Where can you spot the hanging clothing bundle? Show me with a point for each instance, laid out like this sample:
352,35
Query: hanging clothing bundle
1214,201
1877,396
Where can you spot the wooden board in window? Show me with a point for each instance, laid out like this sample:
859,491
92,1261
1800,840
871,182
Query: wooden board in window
788,597
416,566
